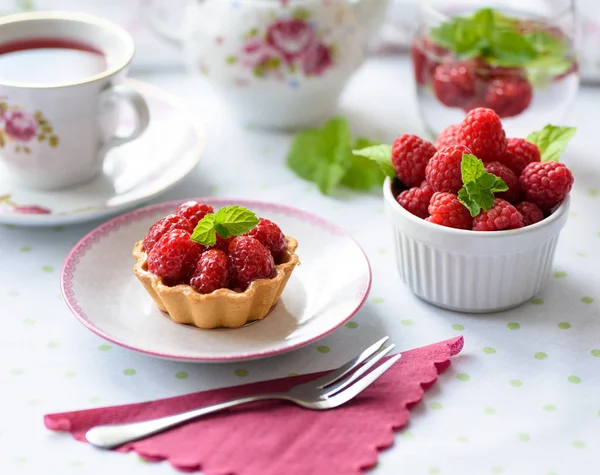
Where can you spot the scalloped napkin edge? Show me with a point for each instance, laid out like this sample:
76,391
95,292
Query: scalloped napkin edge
396,392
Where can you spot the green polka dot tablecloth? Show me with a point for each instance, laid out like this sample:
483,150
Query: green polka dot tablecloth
523,398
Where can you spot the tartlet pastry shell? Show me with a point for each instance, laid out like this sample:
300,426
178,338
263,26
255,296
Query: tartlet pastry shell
223,307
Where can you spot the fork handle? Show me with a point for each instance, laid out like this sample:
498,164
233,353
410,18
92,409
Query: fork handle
113,435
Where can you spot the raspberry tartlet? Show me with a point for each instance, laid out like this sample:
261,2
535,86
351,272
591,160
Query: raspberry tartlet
215,269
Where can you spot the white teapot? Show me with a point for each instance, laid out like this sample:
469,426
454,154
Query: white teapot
278,63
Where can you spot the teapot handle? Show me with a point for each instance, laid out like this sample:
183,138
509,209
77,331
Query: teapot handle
153,17
372,13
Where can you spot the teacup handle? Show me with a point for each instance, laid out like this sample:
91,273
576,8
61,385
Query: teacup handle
124,92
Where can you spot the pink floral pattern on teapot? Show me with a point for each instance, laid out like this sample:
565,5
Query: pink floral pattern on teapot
286,46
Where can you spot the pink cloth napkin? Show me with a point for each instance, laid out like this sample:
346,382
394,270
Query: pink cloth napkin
273,437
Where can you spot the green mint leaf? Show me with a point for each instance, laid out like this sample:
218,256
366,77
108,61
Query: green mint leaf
547,44
484,17
328,176
553,58
234,221
491,182
479,185
363,142
464,38
204,232
498,39
471,168
321,155
509,48
502,20
476,198
335,138
382,155
304,153
552,141
362,173
468,202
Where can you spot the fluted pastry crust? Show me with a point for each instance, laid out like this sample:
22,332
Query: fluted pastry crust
223,307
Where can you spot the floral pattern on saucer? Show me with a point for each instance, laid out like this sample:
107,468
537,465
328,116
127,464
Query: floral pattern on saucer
6,202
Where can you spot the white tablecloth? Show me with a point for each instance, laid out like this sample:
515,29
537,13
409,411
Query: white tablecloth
522,398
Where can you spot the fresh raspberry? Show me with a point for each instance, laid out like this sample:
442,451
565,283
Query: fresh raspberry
410,155
416,200
482,132
519,154
446,210
194,211
250,261
546,183
270,236
513,194
448,137
424,59
212,272
174,257
508,96
443,170
454,84
501,216
163,226
531,213
222,244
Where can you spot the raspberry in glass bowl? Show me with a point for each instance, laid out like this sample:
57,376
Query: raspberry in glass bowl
478,231
510,59
228,269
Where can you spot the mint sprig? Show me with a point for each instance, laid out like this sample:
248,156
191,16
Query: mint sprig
227,222
552,141
502,41
380,154
479,186
324,157
362,173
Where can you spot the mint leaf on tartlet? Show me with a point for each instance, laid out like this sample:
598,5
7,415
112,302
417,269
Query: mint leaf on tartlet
552,141
479,185
227,222
205,232
234,221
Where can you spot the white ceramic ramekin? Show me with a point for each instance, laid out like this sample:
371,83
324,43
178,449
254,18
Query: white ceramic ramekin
470,271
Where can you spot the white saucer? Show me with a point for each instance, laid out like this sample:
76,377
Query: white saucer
167,151
325,290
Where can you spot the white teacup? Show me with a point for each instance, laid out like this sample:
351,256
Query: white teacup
61,80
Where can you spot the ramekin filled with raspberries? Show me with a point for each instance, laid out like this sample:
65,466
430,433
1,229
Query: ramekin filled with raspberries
476,216
214,269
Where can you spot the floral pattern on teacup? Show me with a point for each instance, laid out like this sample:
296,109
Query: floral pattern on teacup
287,46
20,128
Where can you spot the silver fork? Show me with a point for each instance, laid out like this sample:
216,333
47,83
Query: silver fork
331,390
